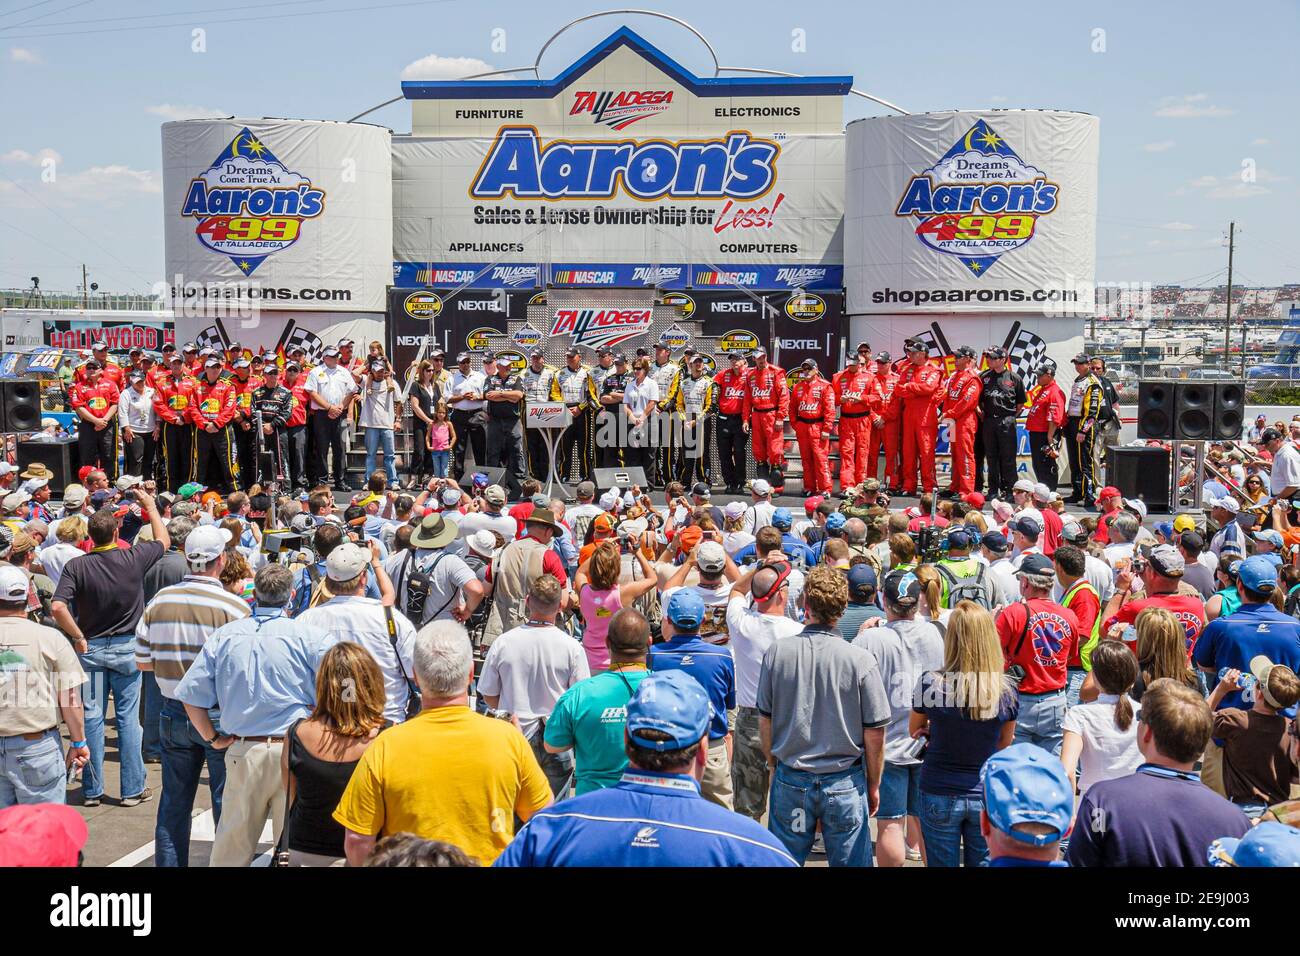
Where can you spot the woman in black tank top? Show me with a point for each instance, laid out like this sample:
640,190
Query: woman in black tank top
325,748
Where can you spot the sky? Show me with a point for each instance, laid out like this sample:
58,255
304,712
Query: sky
1197,102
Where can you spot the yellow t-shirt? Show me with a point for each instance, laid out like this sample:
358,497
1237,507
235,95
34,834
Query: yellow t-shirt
447,774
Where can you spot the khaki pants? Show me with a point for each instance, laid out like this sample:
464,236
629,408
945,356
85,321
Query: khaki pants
749,770
716,785
1211,768
254,791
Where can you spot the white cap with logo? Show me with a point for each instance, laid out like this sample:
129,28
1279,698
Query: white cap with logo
205,543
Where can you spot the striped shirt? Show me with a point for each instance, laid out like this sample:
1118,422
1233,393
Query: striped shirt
361,620
177,623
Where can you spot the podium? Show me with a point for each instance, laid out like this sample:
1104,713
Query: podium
550,418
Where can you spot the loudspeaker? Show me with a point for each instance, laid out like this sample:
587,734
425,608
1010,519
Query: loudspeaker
1229,409
1155,411
1140,472
1193,411
494,476
59,456
622,478
20,405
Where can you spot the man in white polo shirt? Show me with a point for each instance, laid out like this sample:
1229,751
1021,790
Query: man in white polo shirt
1284,477
332,389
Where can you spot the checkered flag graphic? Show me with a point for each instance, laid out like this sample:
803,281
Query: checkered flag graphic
1025,352
211,337
308,340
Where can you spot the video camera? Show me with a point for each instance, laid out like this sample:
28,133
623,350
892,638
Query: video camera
931,541
288,547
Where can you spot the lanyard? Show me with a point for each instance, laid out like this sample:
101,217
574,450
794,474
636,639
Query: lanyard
674,782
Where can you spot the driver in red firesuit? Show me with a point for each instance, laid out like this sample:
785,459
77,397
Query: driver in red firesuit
918,393
813,402
961,408
212,412
767,406
853,389
884,421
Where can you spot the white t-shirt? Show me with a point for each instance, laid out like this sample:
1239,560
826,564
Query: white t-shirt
1120,551
502,524
1006,590
529,668
751,634
1286,469
377,403
637,397
361,620
466,385
758,516
1108,752
734,541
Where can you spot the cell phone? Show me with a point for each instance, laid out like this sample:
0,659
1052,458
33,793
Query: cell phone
72,774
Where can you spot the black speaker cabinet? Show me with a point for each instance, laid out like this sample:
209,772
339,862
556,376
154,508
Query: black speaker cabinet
1155,411
1140,472
1229,410
58,456
1193,411
20,405
621,478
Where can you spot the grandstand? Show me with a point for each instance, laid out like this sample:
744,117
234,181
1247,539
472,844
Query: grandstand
1165,302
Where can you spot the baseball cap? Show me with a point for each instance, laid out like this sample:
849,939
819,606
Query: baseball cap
7,469
586,489
808,364
672,702
1026,784
689,537
189,489
1137,506
489,357
15,500
974,499
1074,532
205,543
810,504
782,519
958,538
375,366
710,557
701,490
1260,666
902,587
609,500
41,834
346,562
13,583
862,579
1081,358
213,363
1184,523
760,487
136,376
451,497
1268,844
915,345
603,523
1167,561
537,353
32,485
996,352
1227,503
964,351
1036,564
759,351
330,352
1192,541
74,497
540,501
1025,485
1026,525
733,509
836,521
1110,491
884,357
1041,492
1257,573
1268,435
1165,528
1269,535
128,481
242,363
494,495
685,609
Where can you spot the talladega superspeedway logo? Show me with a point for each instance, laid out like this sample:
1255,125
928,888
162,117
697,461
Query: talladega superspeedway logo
619,109
979,201
597,327
249,205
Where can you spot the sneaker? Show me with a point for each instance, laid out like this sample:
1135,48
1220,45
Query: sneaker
91,801
344,487
149,759
144,796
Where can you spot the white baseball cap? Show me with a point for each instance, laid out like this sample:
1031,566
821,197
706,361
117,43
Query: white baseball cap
205,543
13,583
7,469
1041,492
609,501
451,497
129,481
1227,503
346,561
710,557
734,509
1024,484
33,484
1138,506
760,487
15,500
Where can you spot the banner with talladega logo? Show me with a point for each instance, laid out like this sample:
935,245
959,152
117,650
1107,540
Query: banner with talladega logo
971,212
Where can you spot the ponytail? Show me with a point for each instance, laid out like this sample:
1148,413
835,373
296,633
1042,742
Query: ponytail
1116,669
1123,713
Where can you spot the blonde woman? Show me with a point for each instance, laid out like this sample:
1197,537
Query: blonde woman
1161,648
967,711
322,751
71,532
734,535
930,607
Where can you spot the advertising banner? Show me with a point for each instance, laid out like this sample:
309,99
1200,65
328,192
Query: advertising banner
792,326
625,170
274,333
76,330
292,213
463,321
992,211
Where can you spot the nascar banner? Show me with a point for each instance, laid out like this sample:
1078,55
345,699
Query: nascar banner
468,320
792,326
283,214
274,333
624,170
990,212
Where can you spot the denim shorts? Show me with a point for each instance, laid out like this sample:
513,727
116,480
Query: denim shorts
900,791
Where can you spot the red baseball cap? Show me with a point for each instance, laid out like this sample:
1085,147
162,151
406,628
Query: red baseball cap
810,504
974,499
41,834
83,471
1110,491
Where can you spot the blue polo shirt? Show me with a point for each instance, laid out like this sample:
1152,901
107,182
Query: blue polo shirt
1250,630
647,819
792,547
709,664
303,584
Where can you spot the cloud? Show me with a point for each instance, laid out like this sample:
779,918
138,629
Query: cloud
109,185
170,111
1262,141
1237,190
1159,147
435,67
18,54
1178,226
30,159
1231,187
1190,106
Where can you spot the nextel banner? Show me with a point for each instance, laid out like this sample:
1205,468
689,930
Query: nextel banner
461,322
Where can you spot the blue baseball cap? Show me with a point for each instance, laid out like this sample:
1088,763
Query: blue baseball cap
685,609
1267,844
1026,784
902,587
862,577
1258,574
672,702
958,538
996,542
781,518
1027,526
835,522
1271,536
1166,529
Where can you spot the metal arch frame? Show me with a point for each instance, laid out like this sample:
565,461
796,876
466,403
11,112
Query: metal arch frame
535,69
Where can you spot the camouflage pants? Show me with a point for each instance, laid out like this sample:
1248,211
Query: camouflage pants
750,776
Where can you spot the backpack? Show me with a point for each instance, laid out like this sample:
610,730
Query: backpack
417,590
971,587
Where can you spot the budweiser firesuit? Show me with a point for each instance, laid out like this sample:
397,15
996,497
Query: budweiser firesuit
1044,424
731,423
173,394
94,402
696,399
961,409
918,393
541,384
578,442
884,421
853,388
812,402
244,428
1001,399
212,412
667,426
766,407
273,404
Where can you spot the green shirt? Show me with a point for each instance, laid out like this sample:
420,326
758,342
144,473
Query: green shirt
590,717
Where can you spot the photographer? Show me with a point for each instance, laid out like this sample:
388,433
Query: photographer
601,596
310,587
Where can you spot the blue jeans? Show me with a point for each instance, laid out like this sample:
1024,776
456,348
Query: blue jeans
1074,683
440,459
900,791
110,665
1040,720
150,745
948,823
183,756
374,438
32,771
800,799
